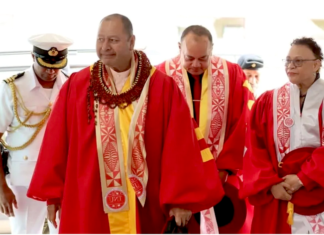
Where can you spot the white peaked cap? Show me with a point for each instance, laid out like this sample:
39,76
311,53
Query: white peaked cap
49,40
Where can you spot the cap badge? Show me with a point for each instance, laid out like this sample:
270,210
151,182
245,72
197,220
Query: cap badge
53,51
253,65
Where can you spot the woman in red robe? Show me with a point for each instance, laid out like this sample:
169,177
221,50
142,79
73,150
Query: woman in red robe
284,166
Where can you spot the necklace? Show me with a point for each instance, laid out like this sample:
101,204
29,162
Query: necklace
103,93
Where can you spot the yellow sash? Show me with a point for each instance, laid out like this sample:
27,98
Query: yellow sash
125,221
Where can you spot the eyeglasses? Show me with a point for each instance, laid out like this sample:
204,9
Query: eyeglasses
296,63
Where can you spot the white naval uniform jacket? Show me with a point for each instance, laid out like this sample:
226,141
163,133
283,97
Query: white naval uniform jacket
22,163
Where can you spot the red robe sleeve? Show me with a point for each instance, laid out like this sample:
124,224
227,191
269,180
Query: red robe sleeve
48,179
240,99
311,173
312,170
260,167
187,181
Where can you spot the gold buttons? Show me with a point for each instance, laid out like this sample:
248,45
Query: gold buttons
25,158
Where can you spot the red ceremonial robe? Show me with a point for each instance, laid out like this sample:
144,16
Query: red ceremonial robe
240,101
261,172
231,158
67,169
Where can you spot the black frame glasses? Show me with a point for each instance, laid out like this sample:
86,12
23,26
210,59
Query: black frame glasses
297,62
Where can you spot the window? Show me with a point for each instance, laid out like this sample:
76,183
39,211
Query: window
230,27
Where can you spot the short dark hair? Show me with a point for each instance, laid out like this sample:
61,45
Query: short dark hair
198,30
128,27
311,44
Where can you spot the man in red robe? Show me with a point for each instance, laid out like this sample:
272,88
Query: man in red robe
219,97
120,152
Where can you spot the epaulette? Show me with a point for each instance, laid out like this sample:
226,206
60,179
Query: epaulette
65,74
14,77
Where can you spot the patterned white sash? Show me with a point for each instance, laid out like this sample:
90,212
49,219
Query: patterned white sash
213,113
110,154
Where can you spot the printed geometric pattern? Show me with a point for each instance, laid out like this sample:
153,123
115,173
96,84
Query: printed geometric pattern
218,104
138,173
109,146
316,223
210,225
138,153
283,112
176,73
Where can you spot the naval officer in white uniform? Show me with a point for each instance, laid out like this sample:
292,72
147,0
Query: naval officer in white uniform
26,101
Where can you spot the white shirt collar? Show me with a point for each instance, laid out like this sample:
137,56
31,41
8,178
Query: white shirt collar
119,78
33,81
